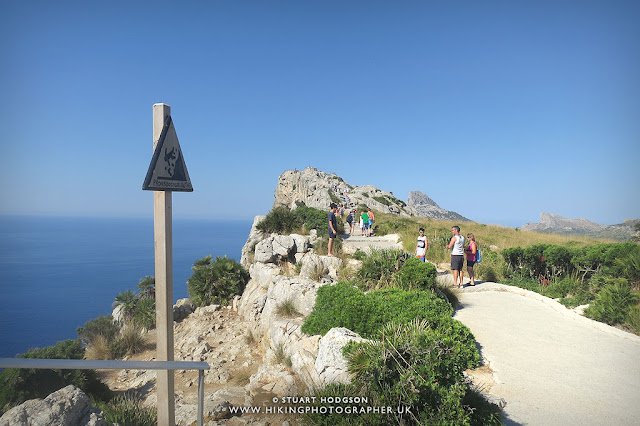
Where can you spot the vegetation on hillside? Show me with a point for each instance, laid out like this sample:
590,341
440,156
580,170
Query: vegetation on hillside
574,269
216,282
417,354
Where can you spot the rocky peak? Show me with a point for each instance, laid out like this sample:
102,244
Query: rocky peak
553,222
426,207
557,224
318,189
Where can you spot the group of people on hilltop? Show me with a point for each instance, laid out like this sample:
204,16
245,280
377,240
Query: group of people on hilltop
366,220
458,252
456,244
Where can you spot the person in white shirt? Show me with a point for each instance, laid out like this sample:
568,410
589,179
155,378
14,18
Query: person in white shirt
457,255
422,246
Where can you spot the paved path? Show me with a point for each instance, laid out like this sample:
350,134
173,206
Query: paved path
551,365
354,242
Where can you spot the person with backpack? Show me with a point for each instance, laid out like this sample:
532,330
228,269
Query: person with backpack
473,255
351,220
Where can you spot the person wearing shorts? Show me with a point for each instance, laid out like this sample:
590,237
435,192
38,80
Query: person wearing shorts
471,250
333,226
365,223
457,255
422,246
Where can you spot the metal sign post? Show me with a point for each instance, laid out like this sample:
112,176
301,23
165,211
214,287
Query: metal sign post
167,172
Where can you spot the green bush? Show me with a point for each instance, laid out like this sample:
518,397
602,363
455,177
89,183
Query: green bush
411,365
101,326
613,303
128,410
139,308
281,220
379,267
417,366
344,305
20,385
416,275
216,282
382,200
145,313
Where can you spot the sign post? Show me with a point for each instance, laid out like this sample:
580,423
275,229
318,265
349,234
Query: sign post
167,172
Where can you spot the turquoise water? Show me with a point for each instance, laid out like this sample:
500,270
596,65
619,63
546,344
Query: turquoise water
57,273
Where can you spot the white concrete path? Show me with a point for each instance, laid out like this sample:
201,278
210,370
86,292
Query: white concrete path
551,365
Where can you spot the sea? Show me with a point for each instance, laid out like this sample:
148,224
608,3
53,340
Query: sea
56,273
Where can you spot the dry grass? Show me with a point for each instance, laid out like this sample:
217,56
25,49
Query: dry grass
287,309
439,233
98,348
240,377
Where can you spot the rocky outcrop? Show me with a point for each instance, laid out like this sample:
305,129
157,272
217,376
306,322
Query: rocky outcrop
68,406
426,207
318,189
557,224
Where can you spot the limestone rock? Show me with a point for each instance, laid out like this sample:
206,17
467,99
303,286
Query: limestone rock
557,224
330,364
314,266
274,248
67,406
318,189
255,236
426,207
118,314
182,309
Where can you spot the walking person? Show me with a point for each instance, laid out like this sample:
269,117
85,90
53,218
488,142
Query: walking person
351,220
422,246
371,219
365,223
472,253
333,226
457,255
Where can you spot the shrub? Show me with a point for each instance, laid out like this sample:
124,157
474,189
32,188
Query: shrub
343,305
382,200
416,275
98,348
130,342
147,287
613,303
127,300
281,220
379,267
634,319
417,366
145,313
216,282
127,409
20,385
102,326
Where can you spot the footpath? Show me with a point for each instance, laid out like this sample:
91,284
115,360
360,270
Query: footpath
549,364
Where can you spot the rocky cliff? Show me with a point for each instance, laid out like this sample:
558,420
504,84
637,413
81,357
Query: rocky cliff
426,207
318,189
557,224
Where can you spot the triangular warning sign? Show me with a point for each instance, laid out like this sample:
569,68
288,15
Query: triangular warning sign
168,171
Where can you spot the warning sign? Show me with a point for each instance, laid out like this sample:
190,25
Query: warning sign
168,171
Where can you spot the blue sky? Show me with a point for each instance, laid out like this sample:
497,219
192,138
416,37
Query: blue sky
498,110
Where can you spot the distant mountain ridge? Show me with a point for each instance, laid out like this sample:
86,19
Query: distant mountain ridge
557,224
426,207
318,189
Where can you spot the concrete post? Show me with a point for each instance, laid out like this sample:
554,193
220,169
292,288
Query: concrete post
163,243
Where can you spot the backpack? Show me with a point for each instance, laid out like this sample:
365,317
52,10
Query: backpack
478,257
